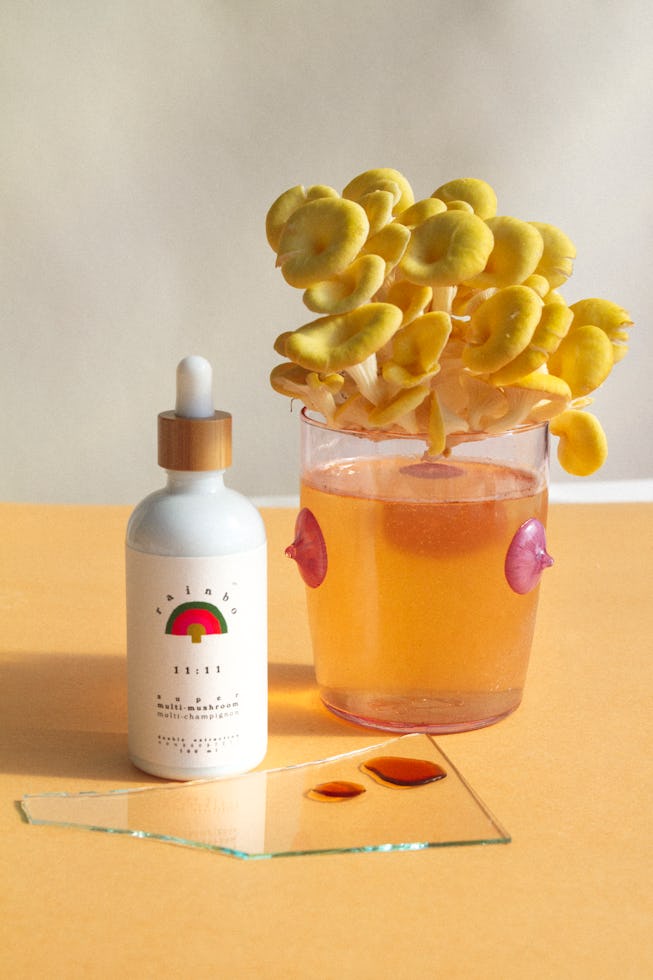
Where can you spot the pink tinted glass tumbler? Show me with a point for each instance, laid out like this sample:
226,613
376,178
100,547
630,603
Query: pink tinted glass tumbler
422,575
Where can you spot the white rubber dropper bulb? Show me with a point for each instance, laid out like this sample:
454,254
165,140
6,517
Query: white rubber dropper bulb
194,388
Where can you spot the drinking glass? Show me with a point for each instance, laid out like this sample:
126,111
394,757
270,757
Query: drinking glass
421,573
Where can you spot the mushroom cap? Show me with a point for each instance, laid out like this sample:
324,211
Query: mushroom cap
501,328
287,203
315,392
551,329
411,299
320,239
416,350
467,299
609,317
459,206
378,207
447,249
538,283
353,287
583,447
557,262
333,343
401,404
475,192
289,379
390,243
280,342
384,179
584,359
420,211
517,250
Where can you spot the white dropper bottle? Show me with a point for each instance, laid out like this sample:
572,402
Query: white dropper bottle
196,602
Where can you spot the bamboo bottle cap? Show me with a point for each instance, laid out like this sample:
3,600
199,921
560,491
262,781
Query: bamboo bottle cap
194,444
194,437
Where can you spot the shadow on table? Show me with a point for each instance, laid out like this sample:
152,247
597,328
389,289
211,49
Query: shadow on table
66,715
295,707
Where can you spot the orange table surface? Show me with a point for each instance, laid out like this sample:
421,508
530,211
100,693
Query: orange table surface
569,775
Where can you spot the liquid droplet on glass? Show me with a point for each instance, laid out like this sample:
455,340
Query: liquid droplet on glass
309,549
390,770
335,791
527,557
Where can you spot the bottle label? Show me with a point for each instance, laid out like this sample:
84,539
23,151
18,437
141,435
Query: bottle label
197,662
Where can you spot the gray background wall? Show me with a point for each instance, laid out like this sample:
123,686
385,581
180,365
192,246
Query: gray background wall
142,143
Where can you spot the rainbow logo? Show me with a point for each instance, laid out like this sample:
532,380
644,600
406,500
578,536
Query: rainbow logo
196,619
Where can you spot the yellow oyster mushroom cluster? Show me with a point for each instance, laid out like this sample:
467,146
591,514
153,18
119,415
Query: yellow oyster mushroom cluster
439,316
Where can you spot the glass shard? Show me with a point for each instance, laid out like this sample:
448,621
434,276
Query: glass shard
275,813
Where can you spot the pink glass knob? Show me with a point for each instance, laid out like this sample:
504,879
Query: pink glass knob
309,549
527,557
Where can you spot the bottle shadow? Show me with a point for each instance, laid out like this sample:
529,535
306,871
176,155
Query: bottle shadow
65,715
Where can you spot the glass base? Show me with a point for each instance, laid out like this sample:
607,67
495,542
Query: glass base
461,711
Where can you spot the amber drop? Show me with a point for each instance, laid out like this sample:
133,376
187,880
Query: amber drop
399,771
335,791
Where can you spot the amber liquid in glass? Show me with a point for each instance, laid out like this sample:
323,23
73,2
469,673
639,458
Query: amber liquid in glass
415,627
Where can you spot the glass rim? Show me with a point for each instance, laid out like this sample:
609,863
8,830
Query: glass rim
381,435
